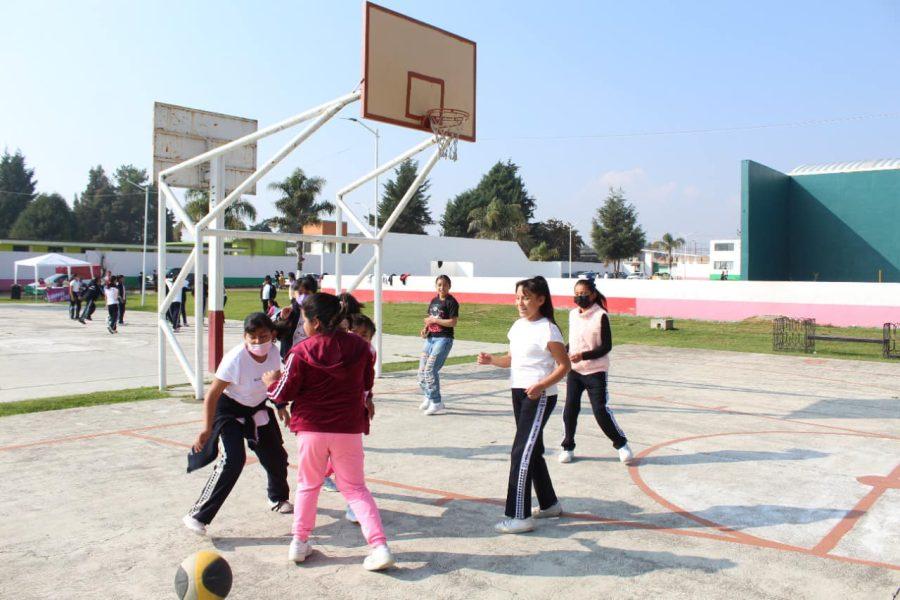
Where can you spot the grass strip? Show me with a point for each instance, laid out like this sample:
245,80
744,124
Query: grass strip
22,407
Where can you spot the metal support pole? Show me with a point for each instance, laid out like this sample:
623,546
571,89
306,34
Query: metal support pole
375,200
570,252
216,250
198,313
413,188
338,230
144,254
161,285
379,321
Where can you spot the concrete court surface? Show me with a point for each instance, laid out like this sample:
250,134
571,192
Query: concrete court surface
759,477
43,353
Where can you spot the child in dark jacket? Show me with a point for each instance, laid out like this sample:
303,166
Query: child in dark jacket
325,380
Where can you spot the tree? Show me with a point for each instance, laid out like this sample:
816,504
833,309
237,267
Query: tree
298,205
47,217
615,233
17,186
416,215
264,225
236,216
499,221
543,252
668,244
502,182
90,219
555,234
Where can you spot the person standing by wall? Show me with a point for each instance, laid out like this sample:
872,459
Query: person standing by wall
267,293
443,314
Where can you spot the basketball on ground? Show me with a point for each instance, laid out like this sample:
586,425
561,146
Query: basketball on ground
203,576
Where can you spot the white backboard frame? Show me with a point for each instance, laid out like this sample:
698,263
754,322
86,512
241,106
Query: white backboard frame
181,133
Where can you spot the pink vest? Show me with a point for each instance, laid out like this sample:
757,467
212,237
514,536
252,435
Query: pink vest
584,334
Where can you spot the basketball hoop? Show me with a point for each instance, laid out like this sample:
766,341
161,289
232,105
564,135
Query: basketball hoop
445,123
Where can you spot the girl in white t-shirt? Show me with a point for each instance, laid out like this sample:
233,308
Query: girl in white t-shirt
235,409
111,292
538,361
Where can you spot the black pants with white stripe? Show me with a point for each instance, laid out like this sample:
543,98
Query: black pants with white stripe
113,318
527,467
74,308
598,394
271,454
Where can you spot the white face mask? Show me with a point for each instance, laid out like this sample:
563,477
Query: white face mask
259,349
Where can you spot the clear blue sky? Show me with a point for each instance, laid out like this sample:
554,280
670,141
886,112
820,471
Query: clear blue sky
80,79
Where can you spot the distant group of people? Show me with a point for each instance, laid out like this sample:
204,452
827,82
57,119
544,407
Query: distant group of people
87,292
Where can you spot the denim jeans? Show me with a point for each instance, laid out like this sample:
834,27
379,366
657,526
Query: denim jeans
433,356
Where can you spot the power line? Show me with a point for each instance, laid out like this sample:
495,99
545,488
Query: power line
595,136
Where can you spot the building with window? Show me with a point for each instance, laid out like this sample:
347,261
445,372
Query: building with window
725,258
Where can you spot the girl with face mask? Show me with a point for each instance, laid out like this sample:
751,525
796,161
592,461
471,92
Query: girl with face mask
289,321
590,341
234,410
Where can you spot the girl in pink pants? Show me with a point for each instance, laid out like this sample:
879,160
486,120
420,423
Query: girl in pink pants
326,379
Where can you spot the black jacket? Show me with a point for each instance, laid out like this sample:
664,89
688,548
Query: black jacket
285,328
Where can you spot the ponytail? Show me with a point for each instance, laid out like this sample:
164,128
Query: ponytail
589,284
329,310
538,286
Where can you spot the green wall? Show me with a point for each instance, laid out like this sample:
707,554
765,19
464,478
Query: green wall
764,222
826,227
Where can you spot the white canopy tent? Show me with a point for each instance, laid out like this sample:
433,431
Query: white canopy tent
49,260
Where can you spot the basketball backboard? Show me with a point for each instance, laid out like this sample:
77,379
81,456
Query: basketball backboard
181,133
411,67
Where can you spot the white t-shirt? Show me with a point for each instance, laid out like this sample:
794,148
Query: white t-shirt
244,377
171,283
531,360
299,333
267,291
112,295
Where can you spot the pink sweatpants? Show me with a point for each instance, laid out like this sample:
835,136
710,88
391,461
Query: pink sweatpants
346,453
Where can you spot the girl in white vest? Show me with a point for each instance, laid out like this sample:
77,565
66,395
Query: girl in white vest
590,341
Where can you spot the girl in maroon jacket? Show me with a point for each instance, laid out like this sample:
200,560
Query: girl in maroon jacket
325,379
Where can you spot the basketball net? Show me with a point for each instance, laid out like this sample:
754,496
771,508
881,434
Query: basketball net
445,123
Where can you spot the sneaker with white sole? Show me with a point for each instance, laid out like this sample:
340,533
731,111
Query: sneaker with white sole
194,525
515,525
625,455
435,409
547,513
566,456
425,404
283,507
351,516
379,560
328,485
299,550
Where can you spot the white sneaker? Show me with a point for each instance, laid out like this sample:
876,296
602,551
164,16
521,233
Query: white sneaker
379,560
547,513
435,409
194,525
625,455
515,525
566,456
328,485
299,550
351,516
425,404
283,507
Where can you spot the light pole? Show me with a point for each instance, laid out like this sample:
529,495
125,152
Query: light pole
375,199
144,253
570,251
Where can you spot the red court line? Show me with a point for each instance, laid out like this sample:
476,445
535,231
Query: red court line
853,516
751,540
91,436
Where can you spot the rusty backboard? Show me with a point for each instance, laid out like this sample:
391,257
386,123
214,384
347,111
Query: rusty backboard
181,133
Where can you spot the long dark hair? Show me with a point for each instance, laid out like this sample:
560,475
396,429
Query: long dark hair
351,304
589,284
327,308
537,286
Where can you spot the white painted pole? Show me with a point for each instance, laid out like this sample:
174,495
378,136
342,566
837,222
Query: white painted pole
413,188
570,252
379,321
362,274
375,199
216,251
198,313
160,285
144,253
338,229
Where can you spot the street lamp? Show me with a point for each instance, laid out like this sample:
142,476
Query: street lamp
570,251
375,200
144,253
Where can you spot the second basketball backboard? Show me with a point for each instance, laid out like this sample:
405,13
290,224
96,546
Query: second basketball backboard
411,67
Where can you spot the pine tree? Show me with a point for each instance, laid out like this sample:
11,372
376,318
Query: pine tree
416,215
17,187
48,217
615,233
